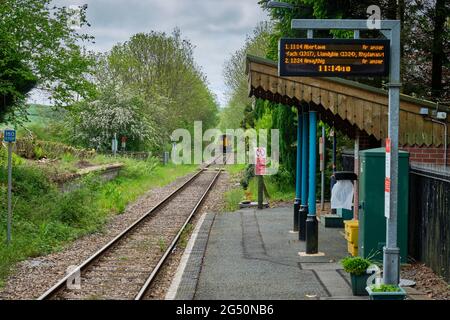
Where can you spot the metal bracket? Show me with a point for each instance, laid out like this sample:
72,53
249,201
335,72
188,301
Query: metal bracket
394,85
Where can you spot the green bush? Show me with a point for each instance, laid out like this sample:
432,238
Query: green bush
35,149
232,199
38,152
283,178
249,173
140,168
28,181
385,288
74,207
355,265
44,219
16,160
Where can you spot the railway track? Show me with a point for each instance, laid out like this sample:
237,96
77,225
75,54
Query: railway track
126,267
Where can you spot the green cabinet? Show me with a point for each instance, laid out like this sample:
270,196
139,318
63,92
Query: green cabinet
372,222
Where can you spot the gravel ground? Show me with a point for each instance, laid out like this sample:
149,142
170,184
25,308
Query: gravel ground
121,271
33,277
213,203
427,281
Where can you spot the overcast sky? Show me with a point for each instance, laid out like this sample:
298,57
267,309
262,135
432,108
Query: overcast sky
217,28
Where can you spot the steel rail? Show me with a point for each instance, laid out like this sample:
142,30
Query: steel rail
55,288
169,250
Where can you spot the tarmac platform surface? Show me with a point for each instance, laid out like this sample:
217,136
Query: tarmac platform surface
251,254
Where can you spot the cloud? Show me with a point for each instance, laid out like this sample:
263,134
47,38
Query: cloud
217,28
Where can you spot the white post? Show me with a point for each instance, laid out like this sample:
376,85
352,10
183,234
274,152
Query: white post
356,184
322,170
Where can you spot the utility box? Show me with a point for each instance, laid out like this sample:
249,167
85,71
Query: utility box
372,222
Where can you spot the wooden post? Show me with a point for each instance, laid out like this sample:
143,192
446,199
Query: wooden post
260,191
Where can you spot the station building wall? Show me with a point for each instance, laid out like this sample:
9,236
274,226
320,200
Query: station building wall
426,155
417,154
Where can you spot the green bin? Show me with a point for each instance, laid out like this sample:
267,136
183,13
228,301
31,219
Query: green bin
372,222
345,214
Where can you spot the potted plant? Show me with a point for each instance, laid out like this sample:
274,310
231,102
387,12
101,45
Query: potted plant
357,267
386,292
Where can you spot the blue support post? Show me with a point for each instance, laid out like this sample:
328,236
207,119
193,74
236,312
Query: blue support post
304,195
312,227
298,171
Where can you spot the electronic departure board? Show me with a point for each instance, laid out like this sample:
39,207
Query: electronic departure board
333,57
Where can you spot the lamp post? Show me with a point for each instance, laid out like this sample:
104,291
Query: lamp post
391,30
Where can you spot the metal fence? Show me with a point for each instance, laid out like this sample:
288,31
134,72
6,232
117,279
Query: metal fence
429,217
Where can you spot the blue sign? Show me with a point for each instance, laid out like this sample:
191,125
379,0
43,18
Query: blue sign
9,135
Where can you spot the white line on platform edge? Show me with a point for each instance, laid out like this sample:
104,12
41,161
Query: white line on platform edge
173,289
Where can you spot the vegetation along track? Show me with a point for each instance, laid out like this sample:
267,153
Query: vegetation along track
127,265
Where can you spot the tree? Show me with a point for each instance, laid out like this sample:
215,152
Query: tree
16,79
40,48
119,113
426,42
158,71
156,64
441,13
232,116
425,37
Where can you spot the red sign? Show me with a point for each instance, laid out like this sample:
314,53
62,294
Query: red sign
387,181
260,167
387,185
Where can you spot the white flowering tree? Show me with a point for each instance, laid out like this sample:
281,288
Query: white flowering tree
116,113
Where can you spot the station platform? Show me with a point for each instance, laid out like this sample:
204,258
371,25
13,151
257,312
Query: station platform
252,254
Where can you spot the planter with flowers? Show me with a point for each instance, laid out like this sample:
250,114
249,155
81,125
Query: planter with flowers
357,267
386,292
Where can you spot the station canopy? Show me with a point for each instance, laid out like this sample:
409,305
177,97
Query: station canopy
346,104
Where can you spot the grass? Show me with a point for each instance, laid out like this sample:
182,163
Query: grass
46,123
276,192
235,169
162,244
44,220
184,236
232,199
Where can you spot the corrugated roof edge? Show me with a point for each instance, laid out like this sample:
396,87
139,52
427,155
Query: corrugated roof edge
404,97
